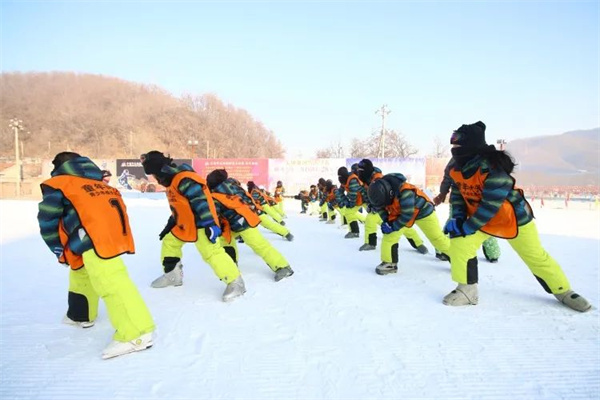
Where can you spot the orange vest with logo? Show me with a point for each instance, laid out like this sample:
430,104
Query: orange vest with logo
394,209
359,199
102,214
185,228
504,223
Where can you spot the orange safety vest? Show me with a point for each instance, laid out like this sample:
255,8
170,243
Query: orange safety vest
261,197
269,199
359,199
102,214
278,194
504,223
331,195
394,209
185,228
236,204
376,176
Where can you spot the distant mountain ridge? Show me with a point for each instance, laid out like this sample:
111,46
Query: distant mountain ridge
571,158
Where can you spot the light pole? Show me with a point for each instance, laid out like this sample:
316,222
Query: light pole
501,143
192,143
17,125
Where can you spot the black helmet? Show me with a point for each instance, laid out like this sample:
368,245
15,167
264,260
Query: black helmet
381,194
354,168
279,183
215,178
365,170
343,175
251,185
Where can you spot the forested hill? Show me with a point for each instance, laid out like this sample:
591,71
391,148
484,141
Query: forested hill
106,117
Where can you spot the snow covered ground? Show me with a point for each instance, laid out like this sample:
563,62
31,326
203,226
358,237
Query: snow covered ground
335,330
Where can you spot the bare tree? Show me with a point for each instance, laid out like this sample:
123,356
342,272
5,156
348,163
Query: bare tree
440,149
334,150
358,149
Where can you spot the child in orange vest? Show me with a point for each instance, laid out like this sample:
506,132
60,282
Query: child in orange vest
84,222
486,203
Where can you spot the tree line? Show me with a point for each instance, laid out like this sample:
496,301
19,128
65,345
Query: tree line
106,117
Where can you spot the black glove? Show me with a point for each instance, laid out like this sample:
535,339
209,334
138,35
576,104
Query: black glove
170,225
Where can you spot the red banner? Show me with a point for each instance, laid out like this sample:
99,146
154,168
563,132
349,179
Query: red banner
242,169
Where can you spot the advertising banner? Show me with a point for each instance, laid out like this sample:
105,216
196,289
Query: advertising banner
299,174
242,169
130,175
412,168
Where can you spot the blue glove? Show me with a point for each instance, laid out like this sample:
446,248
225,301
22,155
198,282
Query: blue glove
454,227
467,230
212,233
58,251
386,228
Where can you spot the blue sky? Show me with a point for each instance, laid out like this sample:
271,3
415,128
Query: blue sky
315,72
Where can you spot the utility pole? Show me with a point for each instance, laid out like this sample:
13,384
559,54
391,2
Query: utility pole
15,124
383,111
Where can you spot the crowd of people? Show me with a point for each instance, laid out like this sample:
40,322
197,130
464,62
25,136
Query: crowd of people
84,222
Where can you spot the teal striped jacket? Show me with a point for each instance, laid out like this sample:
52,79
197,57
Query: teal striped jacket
193,192
498,186
408,200
55,207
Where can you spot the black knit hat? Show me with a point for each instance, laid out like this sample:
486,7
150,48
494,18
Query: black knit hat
343,175
63,157
365,170
153,161
472,135
216,177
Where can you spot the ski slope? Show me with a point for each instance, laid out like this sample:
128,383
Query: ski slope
334,330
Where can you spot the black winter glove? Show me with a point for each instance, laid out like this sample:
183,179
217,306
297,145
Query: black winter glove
170,225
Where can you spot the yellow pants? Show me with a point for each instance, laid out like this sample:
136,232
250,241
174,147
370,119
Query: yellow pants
212,253
430,225
279,208
108,279
463,258
270,224
261,246
374,221
323,210
272,213
352,214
